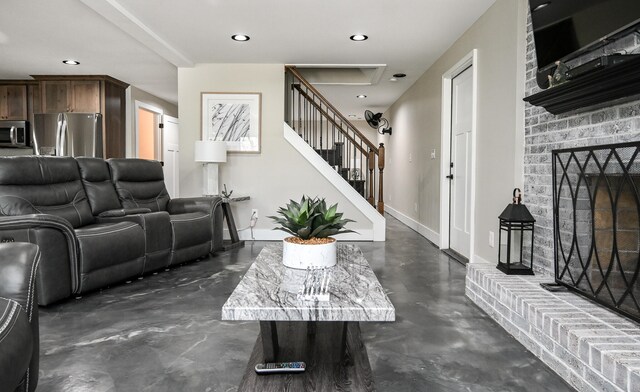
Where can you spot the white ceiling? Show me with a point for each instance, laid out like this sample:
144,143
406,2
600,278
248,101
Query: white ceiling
142,41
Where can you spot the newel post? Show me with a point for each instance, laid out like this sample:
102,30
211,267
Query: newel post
371,160
381,184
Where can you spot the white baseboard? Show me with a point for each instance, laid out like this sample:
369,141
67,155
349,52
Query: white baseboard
277,235
421,229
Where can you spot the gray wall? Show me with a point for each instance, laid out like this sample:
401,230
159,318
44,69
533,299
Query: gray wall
611,123
413,187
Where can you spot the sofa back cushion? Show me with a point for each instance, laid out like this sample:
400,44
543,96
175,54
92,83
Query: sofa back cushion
139,183
97,183
48,185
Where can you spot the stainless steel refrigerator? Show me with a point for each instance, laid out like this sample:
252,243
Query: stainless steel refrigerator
67,134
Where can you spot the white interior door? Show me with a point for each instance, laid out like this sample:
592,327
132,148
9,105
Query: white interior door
171,154
461,126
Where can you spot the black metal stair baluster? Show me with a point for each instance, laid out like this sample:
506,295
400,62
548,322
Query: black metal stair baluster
299,113
333,141
325,157
357,170
348,163
354,184
306,124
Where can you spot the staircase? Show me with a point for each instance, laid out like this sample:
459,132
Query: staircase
334,138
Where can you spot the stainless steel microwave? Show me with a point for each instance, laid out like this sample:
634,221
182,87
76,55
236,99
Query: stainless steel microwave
14,133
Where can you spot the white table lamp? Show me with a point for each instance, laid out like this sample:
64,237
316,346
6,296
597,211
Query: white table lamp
210,152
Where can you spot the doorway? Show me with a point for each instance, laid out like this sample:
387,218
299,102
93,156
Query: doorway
459,104
148,132
157,138
171,154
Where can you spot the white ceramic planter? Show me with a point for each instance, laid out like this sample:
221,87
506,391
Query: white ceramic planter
309,256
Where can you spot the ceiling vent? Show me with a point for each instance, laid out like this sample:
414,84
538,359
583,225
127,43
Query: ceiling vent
342,74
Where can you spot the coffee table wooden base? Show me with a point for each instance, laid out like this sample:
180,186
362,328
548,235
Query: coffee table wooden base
318,345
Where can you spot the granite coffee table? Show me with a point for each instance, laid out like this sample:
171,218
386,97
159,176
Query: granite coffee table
324,334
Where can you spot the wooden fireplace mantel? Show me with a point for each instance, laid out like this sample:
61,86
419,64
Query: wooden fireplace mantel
616,82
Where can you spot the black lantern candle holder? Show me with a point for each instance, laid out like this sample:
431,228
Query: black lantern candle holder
515,251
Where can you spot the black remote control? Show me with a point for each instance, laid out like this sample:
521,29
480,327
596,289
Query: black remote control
280,367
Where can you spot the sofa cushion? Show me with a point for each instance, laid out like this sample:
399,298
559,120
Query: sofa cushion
96,179
51,185
139,183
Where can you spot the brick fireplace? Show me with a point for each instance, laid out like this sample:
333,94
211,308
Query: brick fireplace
591,347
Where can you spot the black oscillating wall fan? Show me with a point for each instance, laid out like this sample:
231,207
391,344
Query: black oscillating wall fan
376,121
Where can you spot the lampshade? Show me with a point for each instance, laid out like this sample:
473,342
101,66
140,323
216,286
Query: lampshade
211,151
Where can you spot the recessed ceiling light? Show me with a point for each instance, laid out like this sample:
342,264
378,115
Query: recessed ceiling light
358,37
399,75
541,6
393,80
71,62
240,37
361,96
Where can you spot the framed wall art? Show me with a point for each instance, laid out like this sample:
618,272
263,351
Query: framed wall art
234,118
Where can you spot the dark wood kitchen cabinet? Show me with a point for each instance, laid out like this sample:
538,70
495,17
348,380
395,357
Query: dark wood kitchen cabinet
82,96
89,94
13,102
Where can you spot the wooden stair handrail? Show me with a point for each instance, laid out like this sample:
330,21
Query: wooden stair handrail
302,80
328,117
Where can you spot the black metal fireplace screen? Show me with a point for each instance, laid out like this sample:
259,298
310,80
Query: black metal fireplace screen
596,213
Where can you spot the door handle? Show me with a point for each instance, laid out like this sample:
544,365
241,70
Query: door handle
60,121
450,176
12,135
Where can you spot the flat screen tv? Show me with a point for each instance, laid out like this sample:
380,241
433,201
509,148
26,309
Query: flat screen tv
564,29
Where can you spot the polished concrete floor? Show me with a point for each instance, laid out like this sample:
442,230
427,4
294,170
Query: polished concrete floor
163,333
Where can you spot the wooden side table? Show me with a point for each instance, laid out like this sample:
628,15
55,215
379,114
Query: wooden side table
235,241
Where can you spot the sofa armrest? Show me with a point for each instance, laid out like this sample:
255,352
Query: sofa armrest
57,277
184,205
210,205
18,266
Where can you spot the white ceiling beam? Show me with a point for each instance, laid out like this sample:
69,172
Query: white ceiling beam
115,13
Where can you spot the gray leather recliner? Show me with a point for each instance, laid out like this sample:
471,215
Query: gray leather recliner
196,223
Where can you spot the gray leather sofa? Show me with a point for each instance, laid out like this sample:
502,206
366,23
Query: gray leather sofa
19,331
100,222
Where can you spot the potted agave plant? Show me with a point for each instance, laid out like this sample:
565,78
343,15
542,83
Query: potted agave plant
311,224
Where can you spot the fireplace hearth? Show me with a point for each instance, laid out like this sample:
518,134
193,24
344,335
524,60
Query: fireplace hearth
596,209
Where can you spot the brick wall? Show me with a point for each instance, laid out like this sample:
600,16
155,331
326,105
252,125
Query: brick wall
544,132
